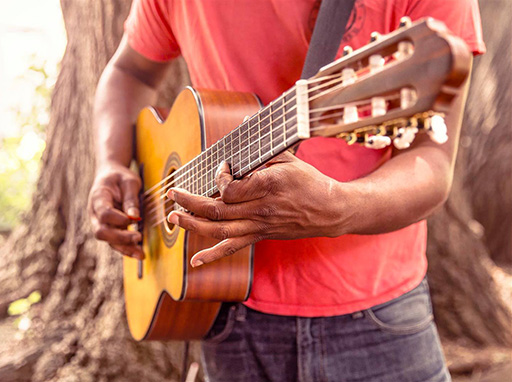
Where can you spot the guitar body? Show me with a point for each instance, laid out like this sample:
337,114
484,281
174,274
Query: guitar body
165,297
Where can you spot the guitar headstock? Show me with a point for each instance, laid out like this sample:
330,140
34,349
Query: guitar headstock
391,88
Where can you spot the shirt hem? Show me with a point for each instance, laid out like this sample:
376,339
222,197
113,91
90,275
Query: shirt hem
281,309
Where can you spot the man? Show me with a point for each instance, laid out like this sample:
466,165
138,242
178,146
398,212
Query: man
339,290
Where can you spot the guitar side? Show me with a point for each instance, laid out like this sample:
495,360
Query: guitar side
171,300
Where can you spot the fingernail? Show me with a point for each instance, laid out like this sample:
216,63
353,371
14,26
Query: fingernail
133,213
135,218
196,263
173,219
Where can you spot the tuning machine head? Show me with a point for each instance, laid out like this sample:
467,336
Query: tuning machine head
405,22
347,49
436,128
375,36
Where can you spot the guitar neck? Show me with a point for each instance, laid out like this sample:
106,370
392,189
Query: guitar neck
270,131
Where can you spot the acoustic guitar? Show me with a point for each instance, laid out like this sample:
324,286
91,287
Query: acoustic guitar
382,94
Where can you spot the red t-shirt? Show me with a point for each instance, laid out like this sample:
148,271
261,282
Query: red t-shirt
260,47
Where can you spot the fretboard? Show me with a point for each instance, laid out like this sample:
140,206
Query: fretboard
261,137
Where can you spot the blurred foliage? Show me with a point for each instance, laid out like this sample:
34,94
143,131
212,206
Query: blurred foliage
22,305
21,151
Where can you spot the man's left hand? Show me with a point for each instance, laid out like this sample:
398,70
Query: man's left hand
289,199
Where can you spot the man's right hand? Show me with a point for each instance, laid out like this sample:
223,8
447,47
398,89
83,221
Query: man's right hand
113,205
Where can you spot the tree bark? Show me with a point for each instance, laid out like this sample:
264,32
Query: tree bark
79,331
475,224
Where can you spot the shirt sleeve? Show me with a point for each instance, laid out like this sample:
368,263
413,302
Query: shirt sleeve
149,32
462,17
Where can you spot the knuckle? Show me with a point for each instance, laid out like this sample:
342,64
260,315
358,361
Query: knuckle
132,181
104,215
222,232
229,250
213,211
227,194
99,233
265,211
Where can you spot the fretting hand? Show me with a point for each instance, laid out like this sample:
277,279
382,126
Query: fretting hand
289,199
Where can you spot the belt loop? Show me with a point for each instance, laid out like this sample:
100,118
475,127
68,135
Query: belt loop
357,315
241,312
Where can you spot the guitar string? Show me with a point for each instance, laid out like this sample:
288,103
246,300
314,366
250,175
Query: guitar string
263,137
206,193
336,76
207,168
152,189
283,96
155,204
152,216
213,189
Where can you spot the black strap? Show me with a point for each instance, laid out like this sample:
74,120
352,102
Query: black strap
329,30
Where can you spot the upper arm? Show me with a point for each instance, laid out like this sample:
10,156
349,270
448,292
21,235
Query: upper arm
129,61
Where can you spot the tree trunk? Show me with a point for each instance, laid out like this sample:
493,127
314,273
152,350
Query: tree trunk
79,331
476,222
488,141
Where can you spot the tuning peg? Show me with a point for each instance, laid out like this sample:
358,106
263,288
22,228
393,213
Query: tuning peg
436,129
375,36
405,22
405,136
347,49
376,141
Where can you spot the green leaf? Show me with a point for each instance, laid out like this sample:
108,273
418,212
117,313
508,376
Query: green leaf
18,307
34,297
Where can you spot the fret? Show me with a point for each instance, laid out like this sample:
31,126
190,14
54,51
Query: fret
278,127
259,138
235,143
244,146
290,114
200,174
265,130
227,157
254,145
208,169
194,173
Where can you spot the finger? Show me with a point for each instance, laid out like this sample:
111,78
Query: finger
217,230
133,251
108,215
114,235
236,191
214,209
210,208
130,188
224,248
258,185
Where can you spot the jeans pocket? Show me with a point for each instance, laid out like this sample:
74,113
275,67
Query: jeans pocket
223,325
407,314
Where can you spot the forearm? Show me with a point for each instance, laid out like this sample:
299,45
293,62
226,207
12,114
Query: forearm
119,98
128,83
404,190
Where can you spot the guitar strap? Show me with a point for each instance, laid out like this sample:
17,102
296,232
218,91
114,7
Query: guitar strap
327,35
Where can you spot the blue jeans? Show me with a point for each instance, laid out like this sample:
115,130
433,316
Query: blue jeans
395,341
